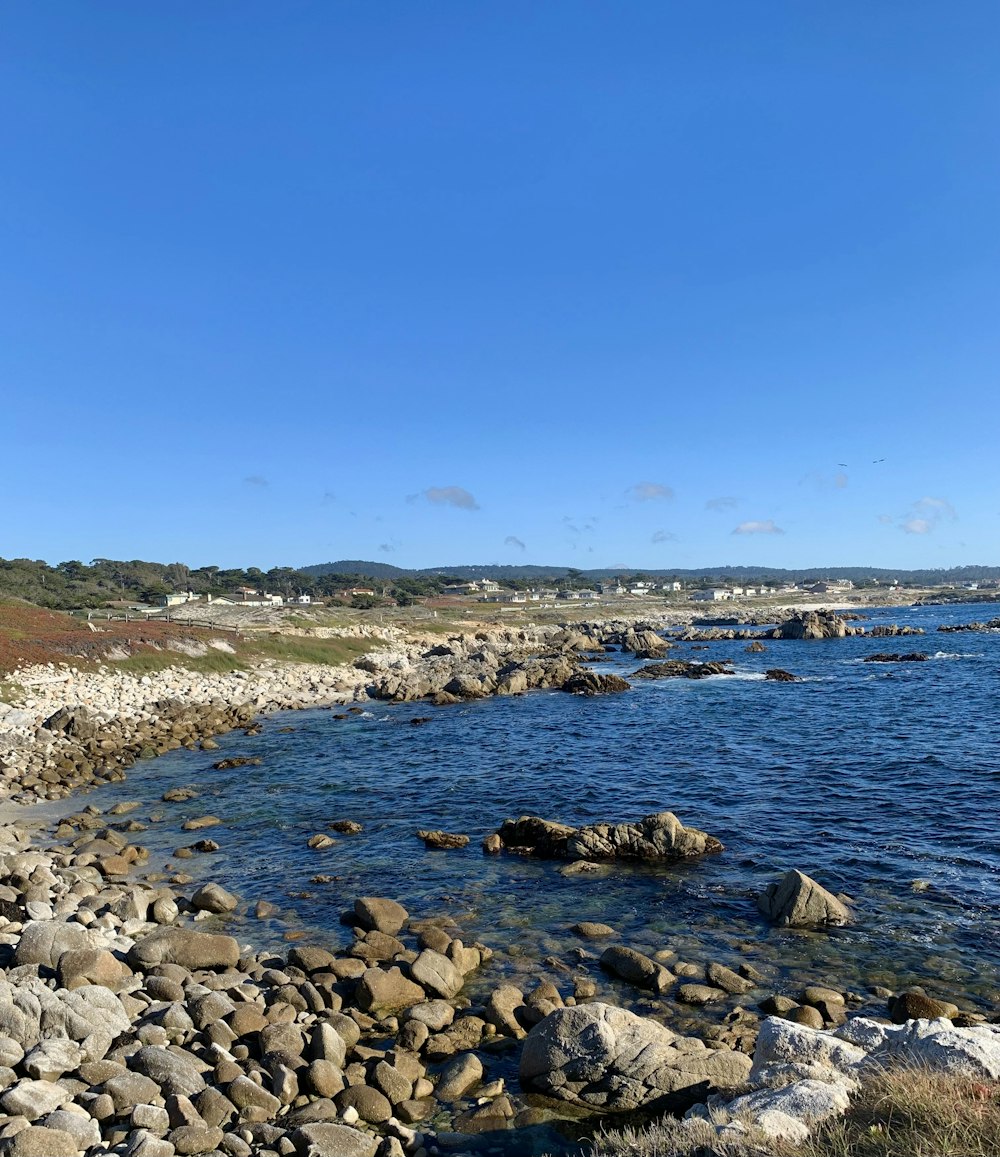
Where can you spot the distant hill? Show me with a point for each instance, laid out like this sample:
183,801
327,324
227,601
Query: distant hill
725,574
353,566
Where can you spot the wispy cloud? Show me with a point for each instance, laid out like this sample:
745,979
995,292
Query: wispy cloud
725,502
328,499
649,492
765,527
386,547
663,536
255,480
514,541
926,514
450,496
820,481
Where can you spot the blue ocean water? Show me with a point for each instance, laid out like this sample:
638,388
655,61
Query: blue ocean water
870,777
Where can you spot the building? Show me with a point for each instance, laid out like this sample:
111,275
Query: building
247,597
177,598
713,595
304,600
505,597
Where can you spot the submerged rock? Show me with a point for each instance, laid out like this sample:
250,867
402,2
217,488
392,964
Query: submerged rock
442,840
890,657
681,669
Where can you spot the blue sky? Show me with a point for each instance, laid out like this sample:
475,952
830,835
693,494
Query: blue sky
588,283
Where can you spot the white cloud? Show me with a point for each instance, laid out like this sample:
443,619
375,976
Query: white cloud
765,527
925,515
648,492
451,496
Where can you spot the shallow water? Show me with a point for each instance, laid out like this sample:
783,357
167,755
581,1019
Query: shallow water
867,776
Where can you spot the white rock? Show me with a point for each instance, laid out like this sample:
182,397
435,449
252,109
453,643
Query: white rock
781,1041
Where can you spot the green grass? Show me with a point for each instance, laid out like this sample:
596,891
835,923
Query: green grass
146,662
10,691
299,649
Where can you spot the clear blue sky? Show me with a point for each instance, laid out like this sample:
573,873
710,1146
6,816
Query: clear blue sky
449,282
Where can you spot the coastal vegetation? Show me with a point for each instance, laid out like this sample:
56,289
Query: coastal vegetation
902,1111
103,582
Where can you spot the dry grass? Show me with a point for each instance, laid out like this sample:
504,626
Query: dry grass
915,1113
902,1112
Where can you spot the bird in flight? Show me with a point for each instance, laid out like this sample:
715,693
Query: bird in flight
876,461
844,464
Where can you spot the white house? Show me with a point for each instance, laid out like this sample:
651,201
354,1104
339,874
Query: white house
713,595
176,598
304,600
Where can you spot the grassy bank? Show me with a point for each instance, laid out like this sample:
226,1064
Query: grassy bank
900,1112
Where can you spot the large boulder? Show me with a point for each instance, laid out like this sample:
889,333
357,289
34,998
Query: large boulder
44,941
812,625
799,902
610,1060
192,950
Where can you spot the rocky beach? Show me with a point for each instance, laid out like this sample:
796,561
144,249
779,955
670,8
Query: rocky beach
138,1016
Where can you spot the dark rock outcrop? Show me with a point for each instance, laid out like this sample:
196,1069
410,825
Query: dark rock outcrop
660,836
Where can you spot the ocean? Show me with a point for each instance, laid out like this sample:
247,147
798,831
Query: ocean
879,780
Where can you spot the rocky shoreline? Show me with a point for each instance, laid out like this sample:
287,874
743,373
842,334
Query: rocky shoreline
69,728
126,1028
132,1022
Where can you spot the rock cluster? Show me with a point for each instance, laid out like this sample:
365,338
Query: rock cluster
802,1076
660,836
120,1028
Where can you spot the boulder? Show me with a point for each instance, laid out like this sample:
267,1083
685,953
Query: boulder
213,898
812,625
799,902
588,682
34,1099
174,1072
327,1139
437,974
442,840
92,966
41,1141
375,912
191,950
637,969
44,941
387,990
610,1060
